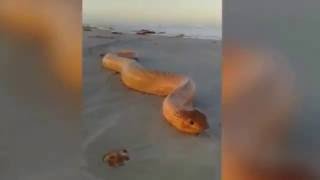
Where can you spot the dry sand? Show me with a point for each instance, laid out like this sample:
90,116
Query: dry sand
116,117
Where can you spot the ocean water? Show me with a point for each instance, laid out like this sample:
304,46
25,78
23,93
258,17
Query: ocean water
189,31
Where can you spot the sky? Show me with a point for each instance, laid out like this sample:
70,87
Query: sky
198,12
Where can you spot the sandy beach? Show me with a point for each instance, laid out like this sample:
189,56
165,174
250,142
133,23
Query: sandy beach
116,117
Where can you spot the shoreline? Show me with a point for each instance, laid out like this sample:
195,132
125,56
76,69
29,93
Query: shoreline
159,32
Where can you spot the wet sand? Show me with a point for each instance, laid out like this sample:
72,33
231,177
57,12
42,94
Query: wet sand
116,117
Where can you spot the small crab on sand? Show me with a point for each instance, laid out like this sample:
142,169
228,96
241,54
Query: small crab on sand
116,158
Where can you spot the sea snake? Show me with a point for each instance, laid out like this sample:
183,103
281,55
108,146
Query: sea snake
178,90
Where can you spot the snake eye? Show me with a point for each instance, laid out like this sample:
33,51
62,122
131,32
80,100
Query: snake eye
125,151
191,122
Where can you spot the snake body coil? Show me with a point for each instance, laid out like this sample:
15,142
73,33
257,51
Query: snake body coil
178,90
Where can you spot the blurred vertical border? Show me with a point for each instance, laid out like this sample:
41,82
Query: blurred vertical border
40,89
271,90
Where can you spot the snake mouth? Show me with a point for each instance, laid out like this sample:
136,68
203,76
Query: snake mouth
203,130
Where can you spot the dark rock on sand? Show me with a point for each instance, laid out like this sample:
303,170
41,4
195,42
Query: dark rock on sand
180,35
87,28
145,32
117,33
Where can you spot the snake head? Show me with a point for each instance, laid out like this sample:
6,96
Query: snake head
195,122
